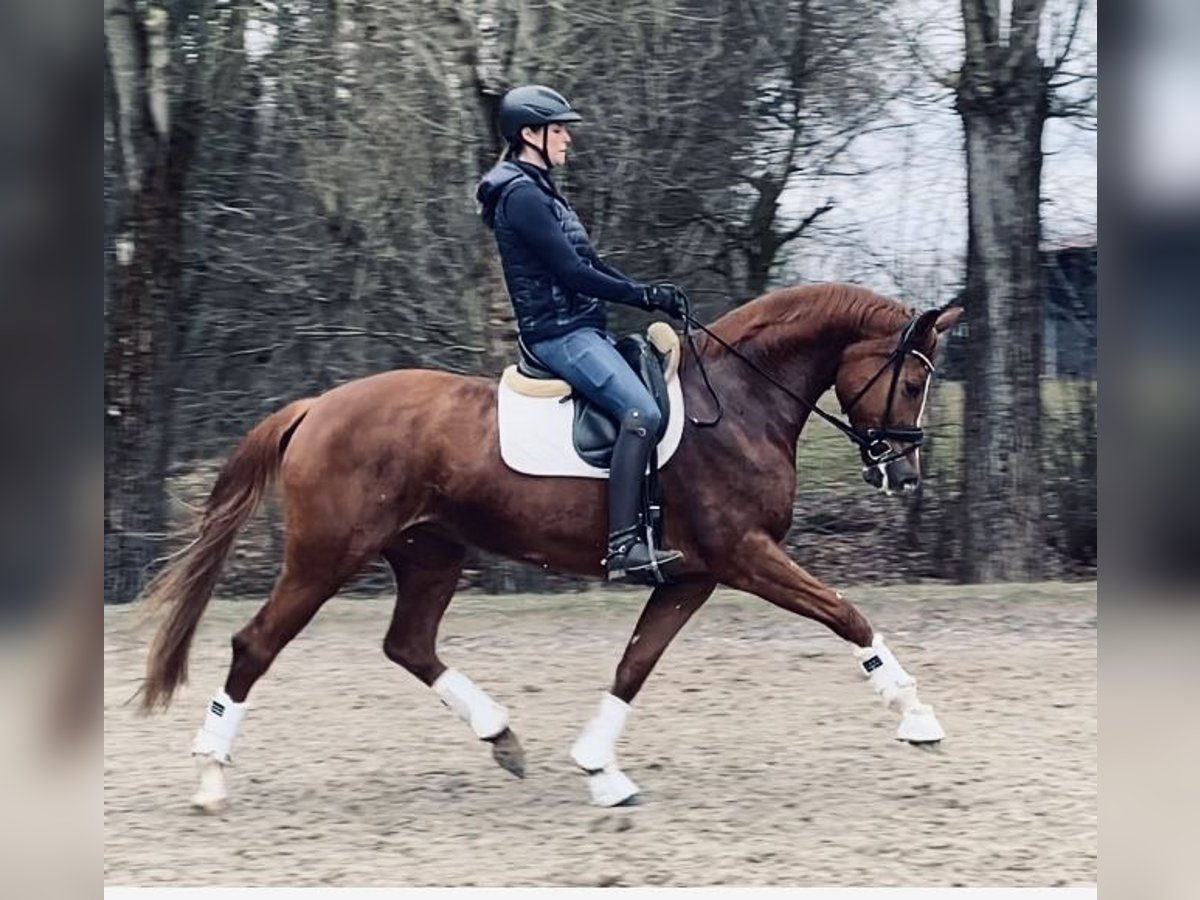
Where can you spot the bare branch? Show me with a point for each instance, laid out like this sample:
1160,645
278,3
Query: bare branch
792,233
982,27
947,79
156,40
1024,30
123,37
1080,107
1066,51
1070,78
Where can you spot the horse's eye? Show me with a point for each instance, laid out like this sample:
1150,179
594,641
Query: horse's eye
913,389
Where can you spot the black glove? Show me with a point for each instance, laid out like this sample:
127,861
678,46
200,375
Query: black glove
665,297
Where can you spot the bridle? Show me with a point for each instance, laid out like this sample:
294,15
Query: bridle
873,443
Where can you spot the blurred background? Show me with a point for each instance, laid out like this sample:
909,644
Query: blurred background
288,204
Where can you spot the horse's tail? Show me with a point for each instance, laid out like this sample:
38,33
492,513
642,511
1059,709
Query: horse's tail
187,582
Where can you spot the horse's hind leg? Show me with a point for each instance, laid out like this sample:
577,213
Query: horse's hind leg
763,568
427,567
665,613
307,581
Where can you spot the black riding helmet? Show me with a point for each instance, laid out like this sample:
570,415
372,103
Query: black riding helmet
534,105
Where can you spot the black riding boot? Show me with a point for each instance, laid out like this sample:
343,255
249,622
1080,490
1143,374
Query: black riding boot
629,557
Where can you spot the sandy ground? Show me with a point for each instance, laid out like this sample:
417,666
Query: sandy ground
763,757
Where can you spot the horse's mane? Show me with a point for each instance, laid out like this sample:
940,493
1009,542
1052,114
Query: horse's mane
800,313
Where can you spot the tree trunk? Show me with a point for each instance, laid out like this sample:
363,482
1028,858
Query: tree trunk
1002,98
143,290
137,391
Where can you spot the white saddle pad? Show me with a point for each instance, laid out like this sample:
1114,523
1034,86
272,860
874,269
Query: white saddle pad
536,438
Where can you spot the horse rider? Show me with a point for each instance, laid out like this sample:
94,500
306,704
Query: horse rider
558,286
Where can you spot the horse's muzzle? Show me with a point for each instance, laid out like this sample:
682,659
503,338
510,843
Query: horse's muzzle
897,475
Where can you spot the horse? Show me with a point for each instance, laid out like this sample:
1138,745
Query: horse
405,465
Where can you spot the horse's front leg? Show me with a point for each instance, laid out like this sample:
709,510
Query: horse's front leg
761,567
667,610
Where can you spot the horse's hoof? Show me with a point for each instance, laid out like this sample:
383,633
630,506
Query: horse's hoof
508,753
212,796
927,746
611,787
210,806
920,726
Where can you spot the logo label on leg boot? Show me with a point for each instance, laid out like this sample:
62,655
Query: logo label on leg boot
872,664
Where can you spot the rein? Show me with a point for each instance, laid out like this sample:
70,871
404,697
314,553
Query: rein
873,444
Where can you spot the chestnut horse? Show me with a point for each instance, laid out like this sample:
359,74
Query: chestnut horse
406,465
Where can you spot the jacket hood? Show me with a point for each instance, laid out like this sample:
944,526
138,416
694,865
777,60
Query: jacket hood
491,188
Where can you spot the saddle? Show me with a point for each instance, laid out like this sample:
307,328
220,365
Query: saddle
653,358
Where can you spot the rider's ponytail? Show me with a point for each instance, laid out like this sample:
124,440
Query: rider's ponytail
509,152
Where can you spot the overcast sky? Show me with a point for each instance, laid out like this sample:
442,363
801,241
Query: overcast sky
908,219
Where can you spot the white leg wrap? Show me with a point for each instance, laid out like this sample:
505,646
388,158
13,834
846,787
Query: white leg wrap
215,737
885,673
486,717
596,747
899,691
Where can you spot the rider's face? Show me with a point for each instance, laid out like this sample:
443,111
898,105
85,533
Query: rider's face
557,142
558,139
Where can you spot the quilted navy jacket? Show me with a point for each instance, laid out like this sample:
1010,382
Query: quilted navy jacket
556,281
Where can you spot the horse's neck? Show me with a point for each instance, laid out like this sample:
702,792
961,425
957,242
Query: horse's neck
800,337
809,368
805,361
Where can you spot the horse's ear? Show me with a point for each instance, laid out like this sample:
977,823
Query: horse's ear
932,320
923,325
947,317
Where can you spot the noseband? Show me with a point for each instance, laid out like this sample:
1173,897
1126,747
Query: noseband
874,443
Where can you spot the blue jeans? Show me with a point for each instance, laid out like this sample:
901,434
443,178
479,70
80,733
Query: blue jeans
588,361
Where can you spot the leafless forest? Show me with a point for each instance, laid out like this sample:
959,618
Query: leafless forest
289,205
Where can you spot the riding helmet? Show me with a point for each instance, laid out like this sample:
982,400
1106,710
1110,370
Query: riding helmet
533,105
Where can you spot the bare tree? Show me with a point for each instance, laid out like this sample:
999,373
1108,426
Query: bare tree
160,71
1005,92
825,79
